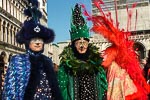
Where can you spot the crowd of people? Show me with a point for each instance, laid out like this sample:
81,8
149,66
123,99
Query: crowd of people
84,73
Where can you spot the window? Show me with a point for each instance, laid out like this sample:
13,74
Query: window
7,33
0,24
4,23
1,2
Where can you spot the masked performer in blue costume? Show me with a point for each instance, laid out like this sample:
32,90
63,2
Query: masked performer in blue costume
80,74
30,76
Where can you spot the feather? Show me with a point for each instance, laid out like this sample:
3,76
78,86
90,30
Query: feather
122,50
33,2
33,10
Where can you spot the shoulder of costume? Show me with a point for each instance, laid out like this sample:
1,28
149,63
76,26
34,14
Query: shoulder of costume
46,57
19,57
47,60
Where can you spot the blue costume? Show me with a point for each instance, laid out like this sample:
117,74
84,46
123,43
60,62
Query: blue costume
18,78
31,76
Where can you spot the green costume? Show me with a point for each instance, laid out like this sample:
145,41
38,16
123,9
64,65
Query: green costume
70,67
81,79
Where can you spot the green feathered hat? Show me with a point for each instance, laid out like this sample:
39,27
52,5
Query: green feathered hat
79,27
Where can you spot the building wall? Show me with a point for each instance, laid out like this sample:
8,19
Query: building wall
58,50
11,18
139,21
55,50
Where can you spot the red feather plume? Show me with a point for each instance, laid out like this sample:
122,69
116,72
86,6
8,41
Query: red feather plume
122,50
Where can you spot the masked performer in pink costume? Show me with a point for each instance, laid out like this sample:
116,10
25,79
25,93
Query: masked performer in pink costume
125,77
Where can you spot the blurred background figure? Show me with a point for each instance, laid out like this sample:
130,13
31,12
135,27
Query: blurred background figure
2,67
55,67
147,68
9,58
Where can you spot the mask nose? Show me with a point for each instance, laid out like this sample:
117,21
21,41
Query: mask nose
37,43
81,46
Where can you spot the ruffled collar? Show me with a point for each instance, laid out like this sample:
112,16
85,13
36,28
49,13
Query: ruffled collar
75,65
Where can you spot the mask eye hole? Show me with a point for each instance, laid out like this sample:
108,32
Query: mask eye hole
81,43
36,40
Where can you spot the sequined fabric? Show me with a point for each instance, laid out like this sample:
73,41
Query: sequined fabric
17,76
43,91
86,87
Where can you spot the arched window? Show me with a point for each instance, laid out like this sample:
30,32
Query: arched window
0,24
4,30
13,8
11,34
4,4
14,33
1,2
7,35
17,13
8,6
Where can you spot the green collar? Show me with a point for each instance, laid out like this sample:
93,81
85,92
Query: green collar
75,65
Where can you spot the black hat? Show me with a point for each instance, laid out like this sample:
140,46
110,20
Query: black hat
32,28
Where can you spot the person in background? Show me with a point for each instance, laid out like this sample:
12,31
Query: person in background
2,67
147,68
55,67
30,76
80,74
10,55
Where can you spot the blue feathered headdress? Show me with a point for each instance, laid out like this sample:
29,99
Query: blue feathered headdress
32,28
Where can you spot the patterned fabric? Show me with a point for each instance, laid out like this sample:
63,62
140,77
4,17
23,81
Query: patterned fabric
16,77
120,84
67,84
86,87
43,91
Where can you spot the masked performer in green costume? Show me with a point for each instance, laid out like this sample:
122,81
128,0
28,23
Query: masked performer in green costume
80,74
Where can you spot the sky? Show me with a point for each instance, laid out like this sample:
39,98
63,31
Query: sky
59,17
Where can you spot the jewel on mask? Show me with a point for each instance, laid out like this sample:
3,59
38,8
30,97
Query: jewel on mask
37,29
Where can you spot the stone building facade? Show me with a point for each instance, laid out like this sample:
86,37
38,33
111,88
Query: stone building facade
139,24
11,18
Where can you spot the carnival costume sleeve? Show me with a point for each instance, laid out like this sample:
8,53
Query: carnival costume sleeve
16,78
64,79
63,82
